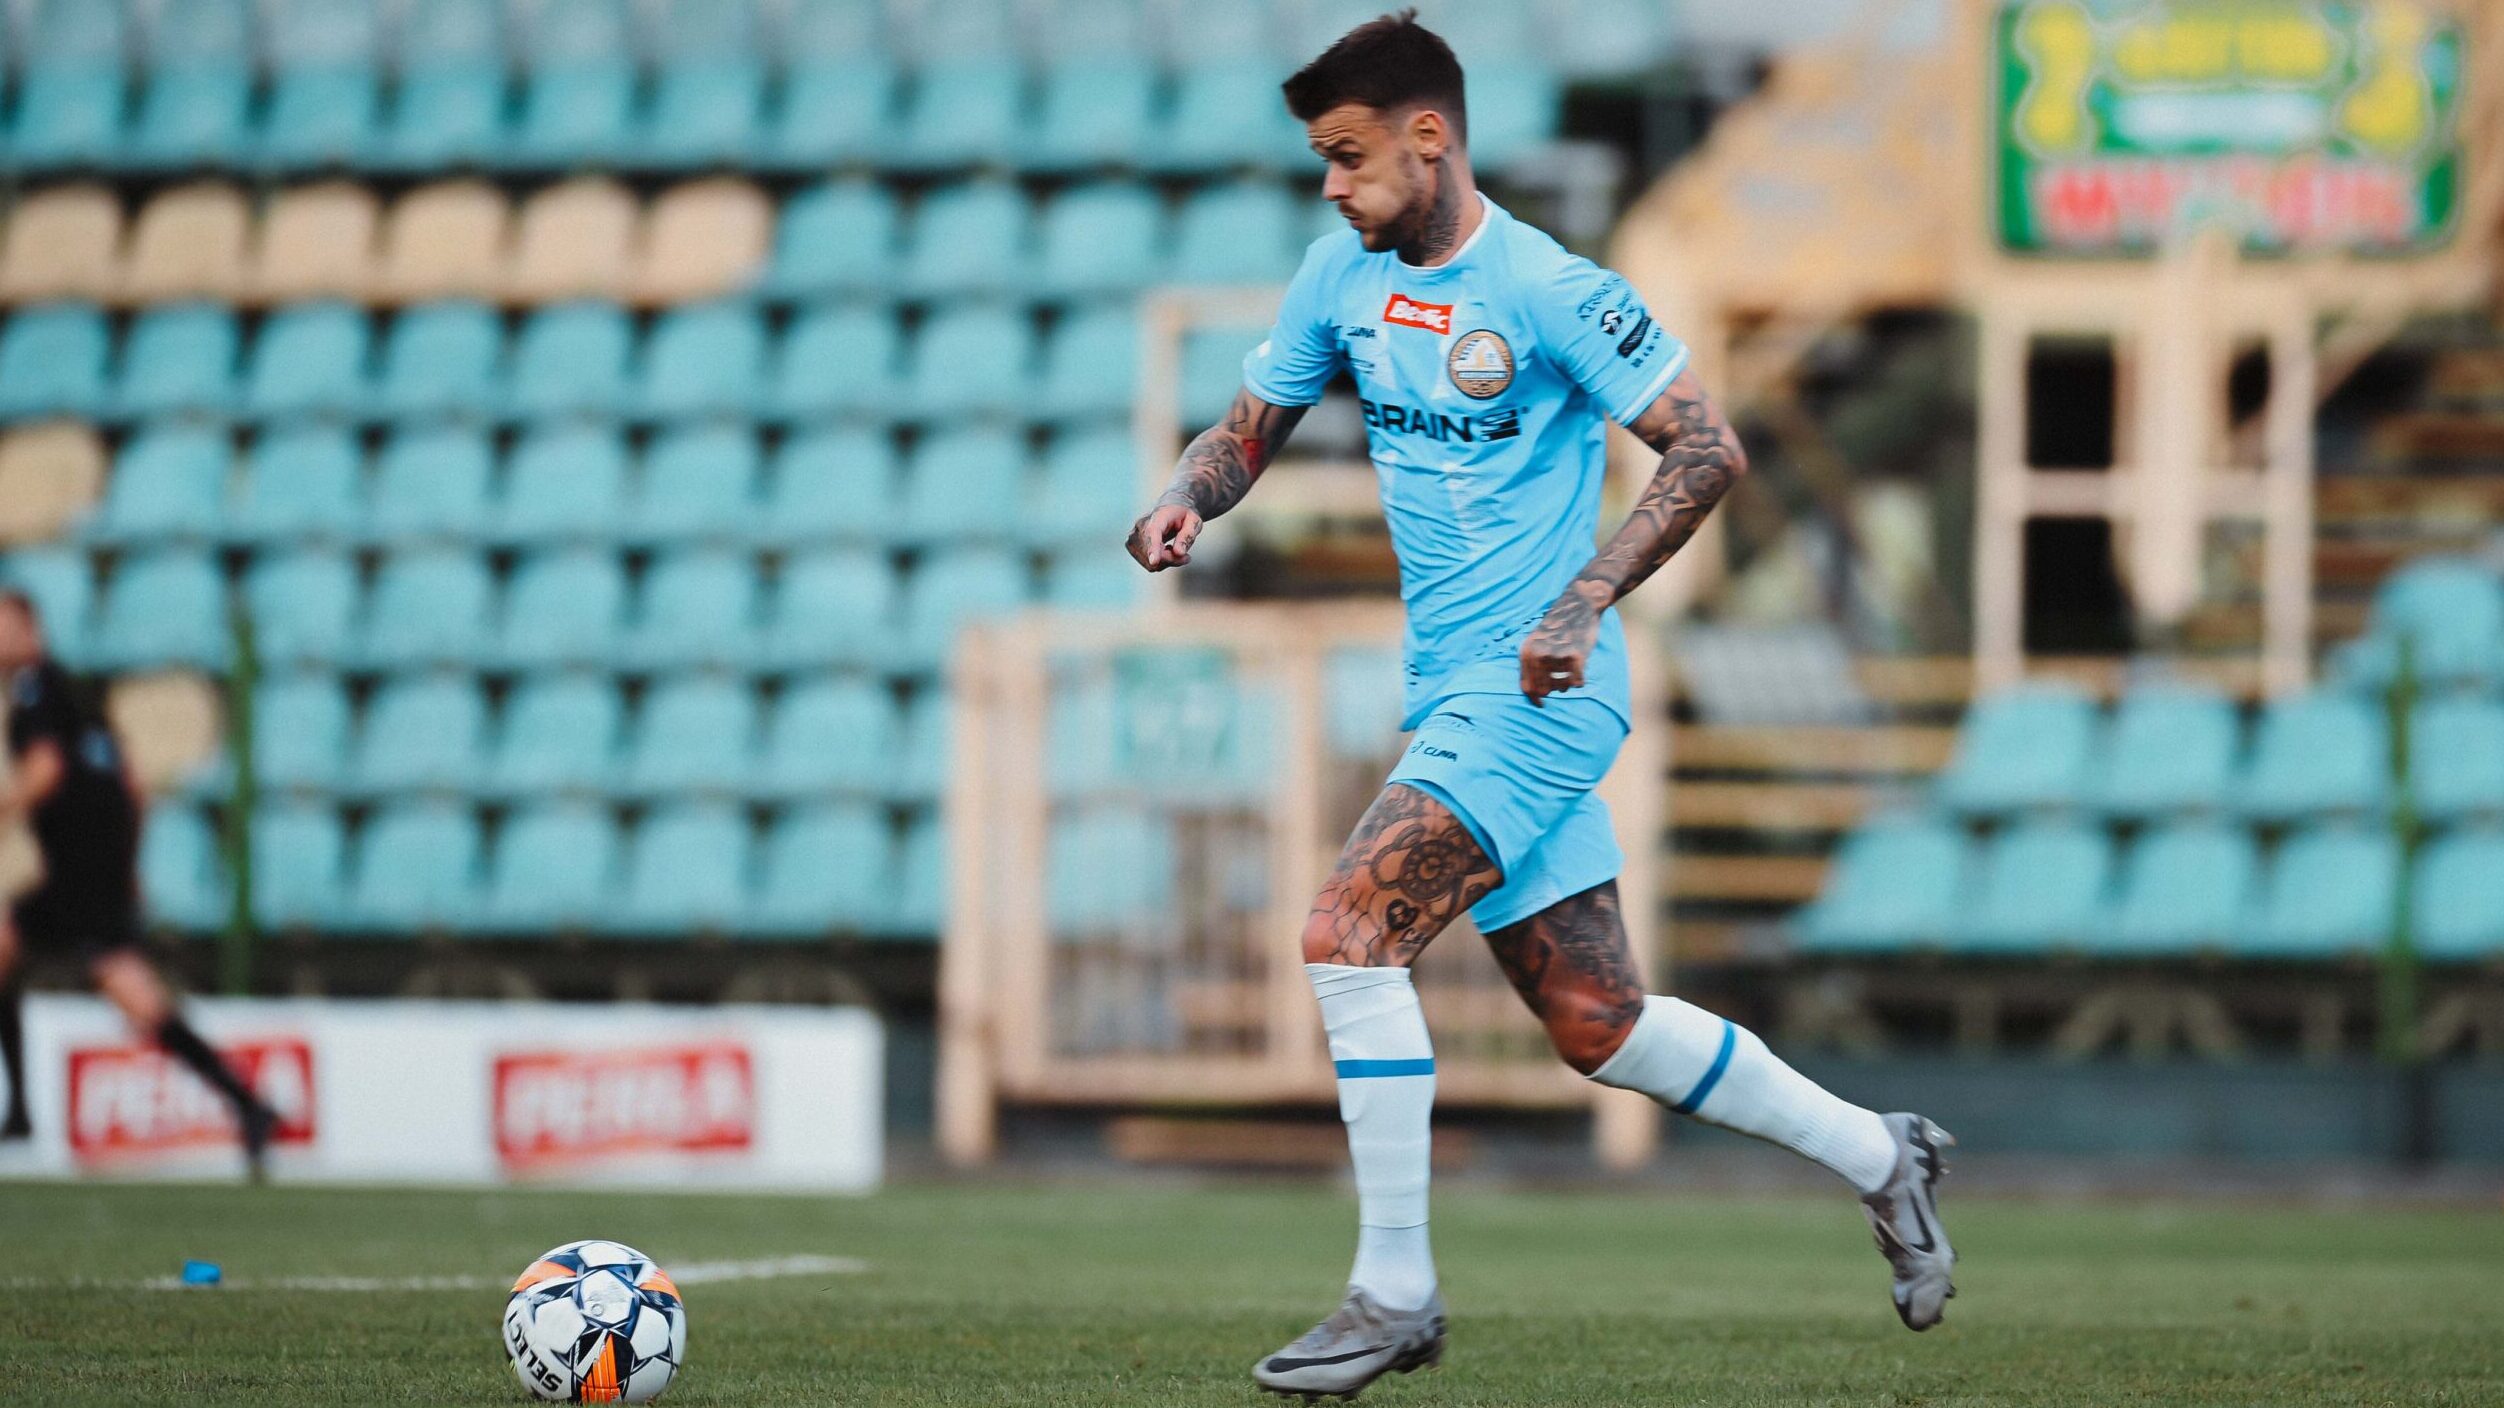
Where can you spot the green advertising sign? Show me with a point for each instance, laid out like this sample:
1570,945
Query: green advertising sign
2301,124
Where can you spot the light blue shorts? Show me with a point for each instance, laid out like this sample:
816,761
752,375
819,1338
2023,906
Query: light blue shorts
1519,776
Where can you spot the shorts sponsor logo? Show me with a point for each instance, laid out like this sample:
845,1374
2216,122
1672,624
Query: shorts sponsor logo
131,1102
1480,364
1409,313
555,1108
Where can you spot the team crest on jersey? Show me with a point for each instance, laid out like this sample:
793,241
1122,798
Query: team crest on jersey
1481,364
1409,313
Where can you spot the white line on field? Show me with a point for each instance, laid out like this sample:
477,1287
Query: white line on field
694,1273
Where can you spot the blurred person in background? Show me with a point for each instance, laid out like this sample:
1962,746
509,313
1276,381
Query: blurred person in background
67,781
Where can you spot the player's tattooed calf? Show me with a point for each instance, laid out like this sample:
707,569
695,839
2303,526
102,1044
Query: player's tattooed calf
1409,869
1574,969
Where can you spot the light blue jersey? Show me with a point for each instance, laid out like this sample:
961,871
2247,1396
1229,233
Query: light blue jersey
1484,382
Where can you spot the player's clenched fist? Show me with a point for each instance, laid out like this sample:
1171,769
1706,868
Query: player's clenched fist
1554,655
1163,538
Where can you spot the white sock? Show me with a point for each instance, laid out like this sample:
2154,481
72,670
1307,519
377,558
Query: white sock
1386,1097
1719,1072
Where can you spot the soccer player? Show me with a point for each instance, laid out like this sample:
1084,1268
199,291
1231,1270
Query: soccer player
1487,361
68,780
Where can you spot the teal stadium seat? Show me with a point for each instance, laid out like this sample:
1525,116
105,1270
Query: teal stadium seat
52,360
828,487
833,607
687,872
967,239
961,111
1081,731
2186,887
195,108
578,92
565,483
163,607
421,734
169,482
1104,238
62,582
1095,110
699,484
2323,751
299,850
565,607
553,870
1515,108
301,484
2456,757
2169,748
448,107
442,360
1212,372
1364,702
921,771
559,734
1065,32
571,360
702,361
964,486
302,603
2452,610
698,608
708,88
838,237
917,905
429,606
830,734
1226,115
2021,749
325,85
1897,883
2328,894
825,868
974,360
1242,232
430,483
417,870
1610,38
1091,364
835,108
1107,869
951,588
178,360
836,359
300,728
694,734
73,88
309,360
1088,492
2458,902
1101,578
2039,886
181,873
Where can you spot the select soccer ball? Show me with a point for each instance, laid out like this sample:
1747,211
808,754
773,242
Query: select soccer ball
595,1322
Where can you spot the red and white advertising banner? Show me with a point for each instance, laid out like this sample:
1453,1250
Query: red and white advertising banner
469,1092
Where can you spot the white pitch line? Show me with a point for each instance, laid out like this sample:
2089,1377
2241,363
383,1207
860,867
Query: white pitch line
694,1273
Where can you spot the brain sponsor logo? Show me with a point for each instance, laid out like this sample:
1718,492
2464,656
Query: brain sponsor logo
554,1108
1481,364
131,1102
1409,313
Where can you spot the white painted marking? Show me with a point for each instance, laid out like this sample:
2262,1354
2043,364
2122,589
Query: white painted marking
694,1273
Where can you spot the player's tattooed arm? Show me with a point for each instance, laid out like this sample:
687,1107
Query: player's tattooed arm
1700,460
1215,472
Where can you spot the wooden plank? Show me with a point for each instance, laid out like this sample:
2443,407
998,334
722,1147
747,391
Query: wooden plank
1885,748
1297,1144
1761,879
1771,806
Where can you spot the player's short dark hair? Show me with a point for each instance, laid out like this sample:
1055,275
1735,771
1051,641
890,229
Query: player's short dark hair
1387,64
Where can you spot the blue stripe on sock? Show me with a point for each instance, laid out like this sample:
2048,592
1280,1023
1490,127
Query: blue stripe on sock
1359,1070
1713,1074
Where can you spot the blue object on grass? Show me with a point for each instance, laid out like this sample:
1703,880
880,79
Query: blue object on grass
202,1273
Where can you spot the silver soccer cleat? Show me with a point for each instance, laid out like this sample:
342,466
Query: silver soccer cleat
1359,1343
1905,1217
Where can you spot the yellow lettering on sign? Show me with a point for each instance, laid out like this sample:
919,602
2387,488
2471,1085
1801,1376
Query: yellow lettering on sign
2391,108
2058,44
2219,43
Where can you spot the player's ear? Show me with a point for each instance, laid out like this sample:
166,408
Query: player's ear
1429,134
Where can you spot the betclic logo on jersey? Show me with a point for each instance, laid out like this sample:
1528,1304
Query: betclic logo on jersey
1409,313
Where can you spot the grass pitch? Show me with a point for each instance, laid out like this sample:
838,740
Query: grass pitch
1131,1295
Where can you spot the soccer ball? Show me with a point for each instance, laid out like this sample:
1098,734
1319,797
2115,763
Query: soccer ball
595,1322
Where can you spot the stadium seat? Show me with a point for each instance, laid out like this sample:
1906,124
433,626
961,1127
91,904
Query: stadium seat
565,484
1099,578
299,733
309,360
1095,111
168,482
428,607
836,359
194,109
50,477
917,906
317,241
69,107
62,242
442,360
1514,110
575,239
579,87
302,604
417,870
2452,611
2328,893
951,588
709,90
447,240
702,361
2456,757
686,872
1363,690
817,29
703,239
1226,115
1108,870
2185,888
554,869
1897,883
188,242
430,483
571,360
698,482
697,608
830,486
164,607
967,239
1481,32
1081,737
835,108
1212,372
834,238
181,874
2458,902
695,734
1066,32
1091,364
830,734
964,486
961,111
1243,232
973,360
2039,885
1610,38
2313,753
832,608
321,114
62,582
298,854
825,868
564,608
2021,749
1088,492
178,360
2170,748
52,362
560,734
300,485
424,734
449,102
1104,238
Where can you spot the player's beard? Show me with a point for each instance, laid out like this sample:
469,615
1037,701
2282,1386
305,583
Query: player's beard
1430,227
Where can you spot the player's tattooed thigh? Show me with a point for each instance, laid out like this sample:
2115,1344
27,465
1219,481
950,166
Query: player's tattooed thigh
1571,963
1409,869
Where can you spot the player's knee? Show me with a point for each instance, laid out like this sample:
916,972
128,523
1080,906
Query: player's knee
1587,1028
1348,936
